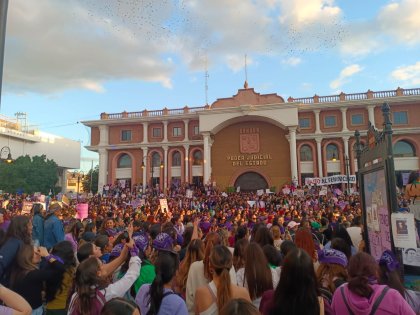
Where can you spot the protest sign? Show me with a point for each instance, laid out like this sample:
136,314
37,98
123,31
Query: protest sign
163,205
26,207
330,180
82,211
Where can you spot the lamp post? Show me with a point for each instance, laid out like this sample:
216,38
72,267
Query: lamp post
80,176
348,174
5,151
152,166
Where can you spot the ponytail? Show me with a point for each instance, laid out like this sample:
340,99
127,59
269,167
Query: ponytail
360,286
166,267
224,293
156,295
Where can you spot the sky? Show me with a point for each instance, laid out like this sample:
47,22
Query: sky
67,61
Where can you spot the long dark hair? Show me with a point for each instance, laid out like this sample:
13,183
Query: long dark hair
363,270
391,279
64,250
257,272
166,267
297,291
87,282
23,264
119,306
239,253
18,228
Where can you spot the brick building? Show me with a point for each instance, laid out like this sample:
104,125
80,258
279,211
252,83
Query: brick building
251,140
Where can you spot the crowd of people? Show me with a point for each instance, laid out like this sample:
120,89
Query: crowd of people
208,252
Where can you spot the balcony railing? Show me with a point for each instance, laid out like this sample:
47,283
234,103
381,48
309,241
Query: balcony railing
342,97
355,96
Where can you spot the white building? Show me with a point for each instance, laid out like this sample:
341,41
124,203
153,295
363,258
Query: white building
21,141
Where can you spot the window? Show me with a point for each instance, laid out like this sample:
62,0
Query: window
197,158
155,159
156,132
176,131
357,119
176,159
196,130
124,161
306,153
330,121
332,152
404,149
126,135
400,118
304,123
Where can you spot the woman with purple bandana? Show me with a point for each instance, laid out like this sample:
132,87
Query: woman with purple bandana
390,276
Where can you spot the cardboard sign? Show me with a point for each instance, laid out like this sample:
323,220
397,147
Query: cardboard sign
163,205
82,211
26,207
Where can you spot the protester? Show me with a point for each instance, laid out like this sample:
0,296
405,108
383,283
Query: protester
72,233
38,224
92,290
158,298
363,295
390,276
18,234
53,228
211,298
120,306
297,291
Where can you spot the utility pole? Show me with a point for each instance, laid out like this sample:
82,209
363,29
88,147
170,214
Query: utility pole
3,21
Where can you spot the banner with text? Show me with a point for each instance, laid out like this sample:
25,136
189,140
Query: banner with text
330,180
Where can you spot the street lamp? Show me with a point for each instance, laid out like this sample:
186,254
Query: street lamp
152,166
348,174
6,151
80,176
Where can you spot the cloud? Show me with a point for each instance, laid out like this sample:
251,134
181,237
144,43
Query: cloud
292,61
396,22
346,73
407,74
53,46
59,45
400,20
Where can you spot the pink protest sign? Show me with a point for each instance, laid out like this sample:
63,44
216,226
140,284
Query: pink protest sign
82,211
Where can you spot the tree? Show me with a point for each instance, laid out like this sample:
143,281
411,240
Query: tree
29,175
87,184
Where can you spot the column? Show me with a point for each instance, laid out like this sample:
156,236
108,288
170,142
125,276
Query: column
371,113
346,146
344,118
187,151
165,167
145,132
103,135
103,169
319,156
145,168
186,130
165,131
206,137
293,154
317,126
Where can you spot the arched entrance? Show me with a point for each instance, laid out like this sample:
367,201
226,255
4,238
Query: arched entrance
251,181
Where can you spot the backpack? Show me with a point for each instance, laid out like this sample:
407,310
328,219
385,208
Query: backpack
97,303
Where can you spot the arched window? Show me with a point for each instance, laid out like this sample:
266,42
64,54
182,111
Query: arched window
332,152
197,158
176,159
124,161
404,149
306,153
155,159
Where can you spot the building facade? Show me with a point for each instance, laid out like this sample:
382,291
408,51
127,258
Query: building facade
23,141
251,140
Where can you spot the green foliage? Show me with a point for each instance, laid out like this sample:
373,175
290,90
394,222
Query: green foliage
37,174
230,189
86,184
